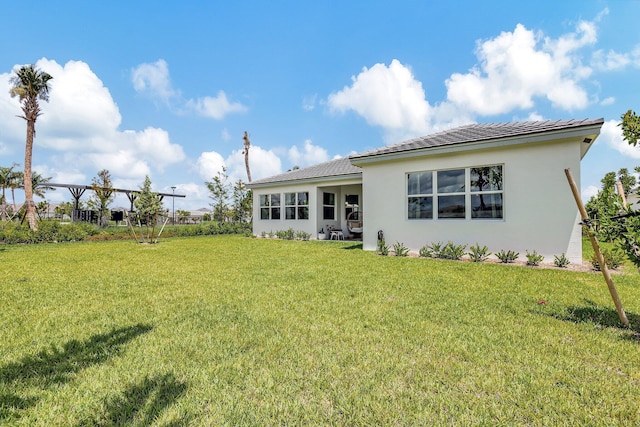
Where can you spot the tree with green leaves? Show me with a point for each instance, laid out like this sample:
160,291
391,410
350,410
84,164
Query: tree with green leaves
64,208
219,194
242,202
40,185
148,208
8,180
103,195
613,221
630,127
30,85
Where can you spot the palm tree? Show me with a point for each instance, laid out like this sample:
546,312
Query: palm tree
39,184
29,85
7,175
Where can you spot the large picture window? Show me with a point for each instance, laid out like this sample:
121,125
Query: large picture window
296,205
466,193
270,206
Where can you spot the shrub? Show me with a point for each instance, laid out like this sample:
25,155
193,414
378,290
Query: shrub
383,248
302,235
435,250
425,251
508,256
561,261
534,259
612,258
479,254
399,249
452,251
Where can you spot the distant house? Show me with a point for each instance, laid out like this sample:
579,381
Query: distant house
501,185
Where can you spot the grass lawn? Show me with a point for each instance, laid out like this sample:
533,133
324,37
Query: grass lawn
229,330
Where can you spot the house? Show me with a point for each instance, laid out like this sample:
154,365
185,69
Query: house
501,185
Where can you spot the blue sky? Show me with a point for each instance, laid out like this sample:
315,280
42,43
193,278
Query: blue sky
167,89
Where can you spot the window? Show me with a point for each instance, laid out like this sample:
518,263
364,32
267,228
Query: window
420,190
329,206
270,206
296,205
451,193
469,193
486,192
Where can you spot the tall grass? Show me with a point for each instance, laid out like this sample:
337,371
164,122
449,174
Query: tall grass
228,330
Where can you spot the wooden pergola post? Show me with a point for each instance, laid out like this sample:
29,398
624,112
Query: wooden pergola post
596,249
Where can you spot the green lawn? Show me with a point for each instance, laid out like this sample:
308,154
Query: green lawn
229,330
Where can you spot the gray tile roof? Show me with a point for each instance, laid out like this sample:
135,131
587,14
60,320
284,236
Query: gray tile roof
460,135
477,133
334,168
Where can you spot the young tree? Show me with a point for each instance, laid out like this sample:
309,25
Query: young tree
242,202
219,193
148,207
103,195
29,85
614,222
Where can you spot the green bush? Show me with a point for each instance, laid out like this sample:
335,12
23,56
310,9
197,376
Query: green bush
453,251
508,256
399,249
479,254
561,261
534,258
612,258
383,248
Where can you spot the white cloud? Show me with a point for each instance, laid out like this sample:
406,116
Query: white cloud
153,78
516,67
215,107
389,97
209,164
263,163
612,135
79,129
608,101
309,155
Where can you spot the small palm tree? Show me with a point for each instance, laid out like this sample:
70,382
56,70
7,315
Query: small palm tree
7,177
39,184
29,85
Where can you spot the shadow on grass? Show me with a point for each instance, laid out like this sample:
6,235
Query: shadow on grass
354,246
57,366
142,403
602,316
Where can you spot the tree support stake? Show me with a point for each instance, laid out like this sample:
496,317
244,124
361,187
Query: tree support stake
596,248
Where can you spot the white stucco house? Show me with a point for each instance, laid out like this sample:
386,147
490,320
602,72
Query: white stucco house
501,185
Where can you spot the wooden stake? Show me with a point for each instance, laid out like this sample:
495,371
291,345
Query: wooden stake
596,249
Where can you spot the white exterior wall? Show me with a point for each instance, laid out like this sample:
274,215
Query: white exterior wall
538,207
315,221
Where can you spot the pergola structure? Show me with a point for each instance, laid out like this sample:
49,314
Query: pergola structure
78,190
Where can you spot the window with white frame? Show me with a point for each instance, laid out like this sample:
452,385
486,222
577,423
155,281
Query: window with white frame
329,206
465,193
270,206
296,205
